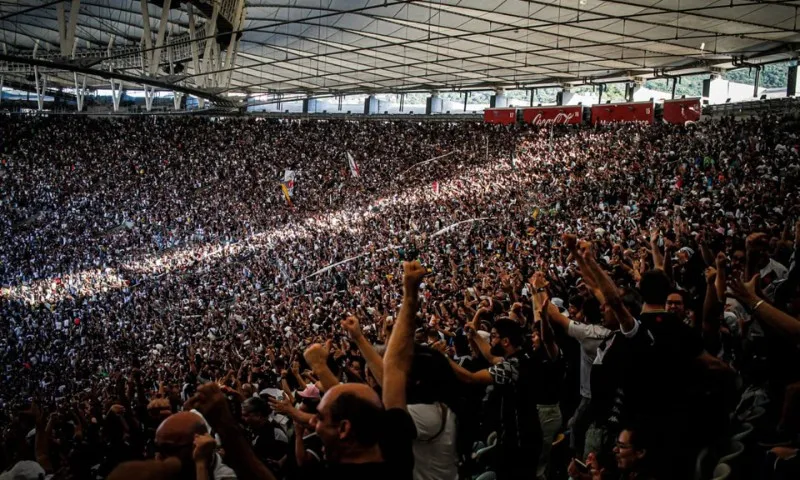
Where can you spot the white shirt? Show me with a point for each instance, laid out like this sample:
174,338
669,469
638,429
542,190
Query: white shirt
222,471
590,337
435,455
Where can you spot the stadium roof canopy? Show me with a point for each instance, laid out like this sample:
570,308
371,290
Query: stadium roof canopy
212,48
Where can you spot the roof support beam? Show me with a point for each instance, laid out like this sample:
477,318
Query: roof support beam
30,9
238,20
162,30
116,75
80,90
66,31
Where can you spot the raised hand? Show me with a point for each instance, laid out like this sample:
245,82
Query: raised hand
204,446
281,406
747,293
413,272
352,326
711,275
211,403
316,354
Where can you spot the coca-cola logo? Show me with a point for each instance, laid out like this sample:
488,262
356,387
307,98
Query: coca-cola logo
561,117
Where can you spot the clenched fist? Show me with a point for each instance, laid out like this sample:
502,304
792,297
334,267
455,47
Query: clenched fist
316,355
413,272
211,403
351,326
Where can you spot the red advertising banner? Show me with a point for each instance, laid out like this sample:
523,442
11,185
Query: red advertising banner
503,116
638,112
559,115
682,111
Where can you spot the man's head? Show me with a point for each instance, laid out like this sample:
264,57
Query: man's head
506,337
630,450
575,308
676,303
255,412
655,286
348,421
175,439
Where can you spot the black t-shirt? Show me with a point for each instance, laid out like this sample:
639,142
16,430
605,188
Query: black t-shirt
647,373
398,455
516,379
552,376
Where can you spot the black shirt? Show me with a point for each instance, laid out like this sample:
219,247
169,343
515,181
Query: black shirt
516,379
552,376
397,452
647,372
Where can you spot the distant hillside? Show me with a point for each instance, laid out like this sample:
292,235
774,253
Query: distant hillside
772,76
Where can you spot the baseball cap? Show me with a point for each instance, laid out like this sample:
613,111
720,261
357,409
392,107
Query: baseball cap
311,391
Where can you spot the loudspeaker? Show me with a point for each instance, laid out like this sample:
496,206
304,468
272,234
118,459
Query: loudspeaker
707,87
791,81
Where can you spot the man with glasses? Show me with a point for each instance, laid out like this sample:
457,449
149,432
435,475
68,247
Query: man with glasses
515,378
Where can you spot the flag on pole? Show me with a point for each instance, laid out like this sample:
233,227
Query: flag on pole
353,166
287,185
436,187
289,177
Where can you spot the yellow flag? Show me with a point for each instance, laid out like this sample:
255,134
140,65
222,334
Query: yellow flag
286,194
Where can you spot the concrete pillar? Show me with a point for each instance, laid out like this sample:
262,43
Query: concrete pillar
564,97
309,105
638,92
498,100
791,81
371,106
433,104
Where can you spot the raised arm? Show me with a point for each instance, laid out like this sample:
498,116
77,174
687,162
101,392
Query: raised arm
296,373
285,407
400,349
607,288
317,357
479,342
548,338
763,310
712,307
658,257
481,377
374,361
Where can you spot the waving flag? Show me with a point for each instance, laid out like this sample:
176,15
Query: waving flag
353,166
287,185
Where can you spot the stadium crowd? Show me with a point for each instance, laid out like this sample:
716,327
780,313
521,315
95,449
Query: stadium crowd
565,302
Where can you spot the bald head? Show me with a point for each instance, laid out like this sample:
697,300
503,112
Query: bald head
359,391
180,429
350,417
